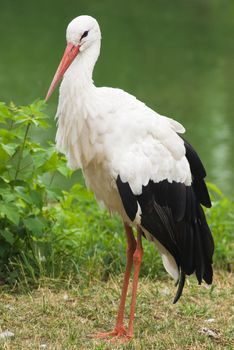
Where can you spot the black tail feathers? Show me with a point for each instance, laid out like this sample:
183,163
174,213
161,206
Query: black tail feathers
199,251
181,282
206,249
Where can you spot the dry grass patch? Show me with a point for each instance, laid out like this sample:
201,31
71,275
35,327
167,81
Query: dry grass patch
62,319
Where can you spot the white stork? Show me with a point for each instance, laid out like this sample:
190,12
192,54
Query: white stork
137,165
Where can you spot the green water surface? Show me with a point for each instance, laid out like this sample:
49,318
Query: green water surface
175,55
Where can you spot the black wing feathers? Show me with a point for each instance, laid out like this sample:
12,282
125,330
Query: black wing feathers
198,173
196,166
128,198
172,213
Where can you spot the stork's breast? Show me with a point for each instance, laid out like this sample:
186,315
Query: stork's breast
99,180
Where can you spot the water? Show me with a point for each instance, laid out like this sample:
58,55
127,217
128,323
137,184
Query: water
177,56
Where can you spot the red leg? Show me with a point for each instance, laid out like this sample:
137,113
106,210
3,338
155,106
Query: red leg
137,258
131,247
119,329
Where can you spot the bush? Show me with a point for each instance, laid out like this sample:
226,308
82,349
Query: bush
26,173
221,220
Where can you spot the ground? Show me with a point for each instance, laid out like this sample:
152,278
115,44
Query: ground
61,318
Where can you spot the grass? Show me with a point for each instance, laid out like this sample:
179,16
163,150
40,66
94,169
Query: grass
61,316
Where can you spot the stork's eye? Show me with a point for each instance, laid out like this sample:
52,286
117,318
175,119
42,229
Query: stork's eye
84,34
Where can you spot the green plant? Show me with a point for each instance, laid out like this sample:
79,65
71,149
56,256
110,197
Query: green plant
221,221
26,173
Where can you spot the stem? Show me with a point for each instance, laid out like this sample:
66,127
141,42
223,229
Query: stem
24,167
11,125
50,183
22,150
52,178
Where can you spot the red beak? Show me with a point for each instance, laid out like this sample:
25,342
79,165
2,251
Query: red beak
69,55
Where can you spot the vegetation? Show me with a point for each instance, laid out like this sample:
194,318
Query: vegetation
48,232
62,243
26,174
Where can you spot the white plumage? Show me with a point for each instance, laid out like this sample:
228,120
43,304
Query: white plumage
108,132
113,137
111,129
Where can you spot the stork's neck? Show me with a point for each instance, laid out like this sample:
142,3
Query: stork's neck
80,72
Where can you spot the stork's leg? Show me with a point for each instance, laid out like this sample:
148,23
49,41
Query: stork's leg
137,258
119,329
131,247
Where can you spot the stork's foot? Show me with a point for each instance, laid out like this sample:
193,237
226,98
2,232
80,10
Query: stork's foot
121,338
117,332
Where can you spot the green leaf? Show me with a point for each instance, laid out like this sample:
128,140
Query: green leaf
10,148
7,135
11,211
38,106
54,194
20,183
37,198
22,194
3,184
22,119
212,187
7,194
9,237
64,170
4,156
39,157
4,113
51,163
35,225
43,124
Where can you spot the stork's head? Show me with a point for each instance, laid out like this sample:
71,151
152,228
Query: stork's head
83,31
82,34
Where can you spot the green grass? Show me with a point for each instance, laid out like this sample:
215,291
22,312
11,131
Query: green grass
62,316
